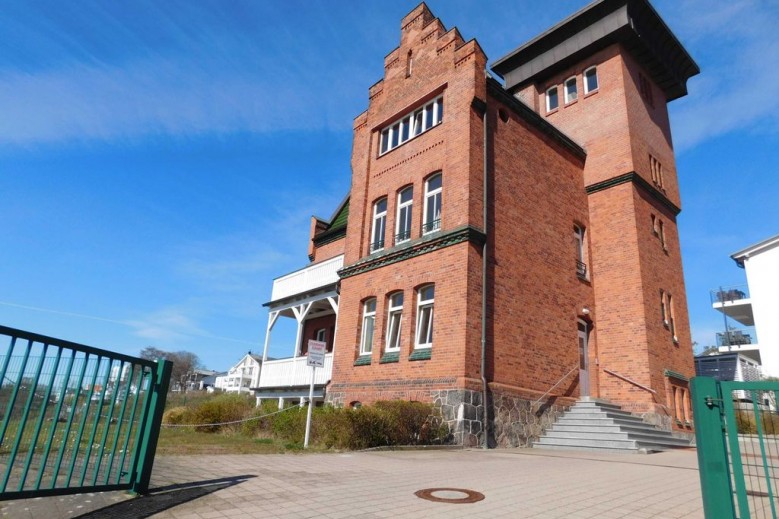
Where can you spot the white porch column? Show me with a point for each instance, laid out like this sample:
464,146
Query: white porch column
271,321
300,315
334,303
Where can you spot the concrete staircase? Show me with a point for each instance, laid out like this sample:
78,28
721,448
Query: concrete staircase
594,425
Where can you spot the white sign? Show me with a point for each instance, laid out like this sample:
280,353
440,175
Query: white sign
316,353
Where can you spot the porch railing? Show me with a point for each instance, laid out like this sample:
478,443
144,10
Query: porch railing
309,278
293,372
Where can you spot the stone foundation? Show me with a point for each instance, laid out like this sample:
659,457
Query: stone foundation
514,421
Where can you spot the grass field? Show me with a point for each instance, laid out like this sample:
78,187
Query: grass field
186,441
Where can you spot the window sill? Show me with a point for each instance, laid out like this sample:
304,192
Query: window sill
553,111
424,353
591,93
390,356
571,102
363,360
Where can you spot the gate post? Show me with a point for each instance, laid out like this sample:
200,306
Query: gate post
712,454
152,425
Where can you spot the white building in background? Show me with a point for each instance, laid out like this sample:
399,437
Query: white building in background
755,305
242,376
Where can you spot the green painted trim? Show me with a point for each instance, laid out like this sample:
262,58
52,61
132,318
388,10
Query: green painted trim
363,360
414,248
329,236
392,356
674,374
422,354
639,181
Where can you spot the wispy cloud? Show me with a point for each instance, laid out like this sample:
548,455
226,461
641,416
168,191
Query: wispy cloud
739,86
203,70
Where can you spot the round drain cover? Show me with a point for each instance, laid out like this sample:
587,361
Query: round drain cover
458,496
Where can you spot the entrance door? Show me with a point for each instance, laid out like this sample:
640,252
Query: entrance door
584,366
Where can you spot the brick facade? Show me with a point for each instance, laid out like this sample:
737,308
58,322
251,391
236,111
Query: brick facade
591,164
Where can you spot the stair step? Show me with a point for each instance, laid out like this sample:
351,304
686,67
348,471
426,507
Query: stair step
659,439
594,425
578,442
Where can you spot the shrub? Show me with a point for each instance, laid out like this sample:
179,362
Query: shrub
220,409
290,425
176,415
261,426
382,424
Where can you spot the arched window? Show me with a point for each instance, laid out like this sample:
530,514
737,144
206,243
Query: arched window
570,90
394,321
433,189
379,223
403,221
425,296
552,100
368,325
590,80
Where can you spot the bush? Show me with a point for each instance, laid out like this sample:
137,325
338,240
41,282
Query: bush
385,423
261,426
176,415
290,425
220,409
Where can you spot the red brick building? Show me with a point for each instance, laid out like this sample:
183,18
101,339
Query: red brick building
514,243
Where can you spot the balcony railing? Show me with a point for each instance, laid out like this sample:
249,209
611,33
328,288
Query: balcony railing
293,372
733,338
306,279
729,294
376,246
402,236
581,269
435,225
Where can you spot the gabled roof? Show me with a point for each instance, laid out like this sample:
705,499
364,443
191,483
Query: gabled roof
754,250
335,228
633,23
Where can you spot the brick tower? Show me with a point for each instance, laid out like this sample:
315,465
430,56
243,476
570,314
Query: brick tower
619,115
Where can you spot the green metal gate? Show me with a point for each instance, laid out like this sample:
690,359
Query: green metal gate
76,418
737,434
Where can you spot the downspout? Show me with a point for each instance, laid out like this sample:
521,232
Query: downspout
485,419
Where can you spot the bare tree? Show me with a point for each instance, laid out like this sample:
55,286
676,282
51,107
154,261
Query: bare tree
184,362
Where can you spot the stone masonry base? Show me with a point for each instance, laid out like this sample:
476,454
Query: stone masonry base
513,421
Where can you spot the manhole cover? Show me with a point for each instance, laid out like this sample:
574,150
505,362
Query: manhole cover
458,496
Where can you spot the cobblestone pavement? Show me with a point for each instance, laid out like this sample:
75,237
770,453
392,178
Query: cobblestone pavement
516,483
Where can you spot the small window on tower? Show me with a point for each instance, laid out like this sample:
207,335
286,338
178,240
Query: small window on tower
590,80
552,101
570,90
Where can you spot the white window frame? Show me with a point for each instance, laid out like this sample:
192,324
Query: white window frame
663,308
378,226
570,97
411,124
431,225
578,235
672,318
549,107
404,215
394,321
368,315
587,88
425,313
321,335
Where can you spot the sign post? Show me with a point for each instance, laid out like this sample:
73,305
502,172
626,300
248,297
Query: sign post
316,359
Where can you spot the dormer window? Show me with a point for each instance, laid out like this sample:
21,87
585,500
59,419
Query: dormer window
552,100
570,90
412,124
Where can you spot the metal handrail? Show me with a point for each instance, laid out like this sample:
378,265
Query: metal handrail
626,379
556,384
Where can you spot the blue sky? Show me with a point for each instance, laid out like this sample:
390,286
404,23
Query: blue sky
160,161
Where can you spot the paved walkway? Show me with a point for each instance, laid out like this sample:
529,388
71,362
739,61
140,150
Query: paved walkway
517,483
